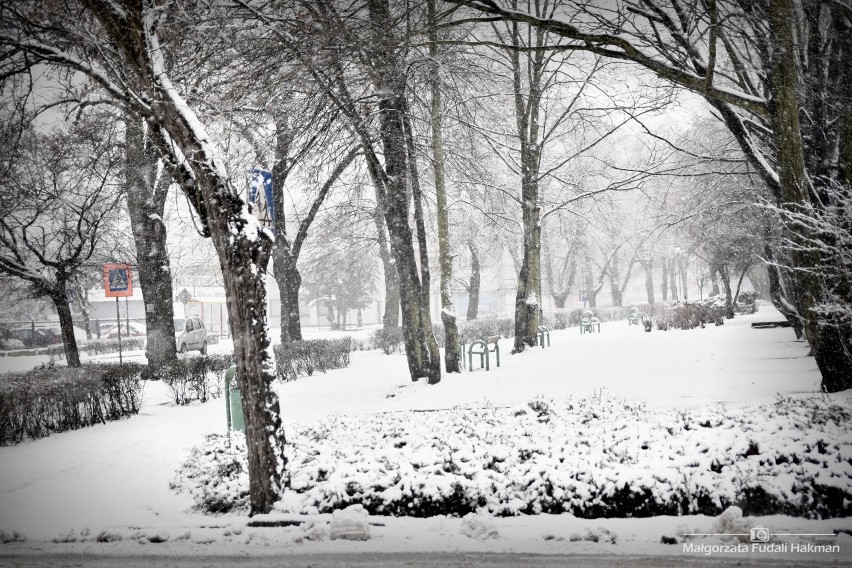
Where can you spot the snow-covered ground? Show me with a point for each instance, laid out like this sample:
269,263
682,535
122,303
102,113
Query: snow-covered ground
105,489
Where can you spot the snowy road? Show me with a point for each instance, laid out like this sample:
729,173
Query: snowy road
409,560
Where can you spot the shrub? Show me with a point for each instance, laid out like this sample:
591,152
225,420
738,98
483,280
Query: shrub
103,346
197,378
746,303
389,340
216,474
57,399
553,458
304,357
689,315
472,330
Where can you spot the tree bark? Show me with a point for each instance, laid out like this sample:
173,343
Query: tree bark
648,267
473,291
614,280
528,297
777,294
664,285
725,275
421,349
390,317
146,200
66,324
287,276
714,288
445,258
242,246
591,288
673,279
831,352
83,298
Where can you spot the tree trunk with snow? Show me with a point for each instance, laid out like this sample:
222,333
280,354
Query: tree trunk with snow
831,351
473,288
445,258
648,267
527,107
66,324
614,280
683,278
284,269
725,276
242,246
390,317
146,200
673,278
421,349
83,299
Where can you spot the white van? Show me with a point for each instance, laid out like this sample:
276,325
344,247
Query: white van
190,333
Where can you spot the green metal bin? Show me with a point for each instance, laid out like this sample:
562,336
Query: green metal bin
233,402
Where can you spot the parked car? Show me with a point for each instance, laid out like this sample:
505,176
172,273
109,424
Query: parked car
136,330
190,333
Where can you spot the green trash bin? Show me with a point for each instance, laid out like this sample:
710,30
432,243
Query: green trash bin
233,402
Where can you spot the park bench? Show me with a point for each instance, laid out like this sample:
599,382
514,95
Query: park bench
588,323
633,317
483,348
542,332
770,324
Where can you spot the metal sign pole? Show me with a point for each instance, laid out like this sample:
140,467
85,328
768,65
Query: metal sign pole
118,321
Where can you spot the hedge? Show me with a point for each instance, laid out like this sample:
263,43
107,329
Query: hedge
56,399
304,357
197,378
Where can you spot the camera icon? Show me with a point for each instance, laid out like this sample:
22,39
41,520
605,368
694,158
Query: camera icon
759,534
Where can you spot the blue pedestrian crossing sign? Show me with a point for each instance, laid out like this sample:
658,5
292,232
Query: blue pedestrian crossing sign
118,280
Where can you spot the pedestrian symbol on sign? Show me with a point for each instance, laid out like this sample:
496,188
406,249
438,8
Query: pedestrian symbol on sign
118,280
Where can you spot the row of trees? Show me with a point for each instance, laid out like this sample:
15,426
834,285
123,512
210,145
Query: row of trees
452,117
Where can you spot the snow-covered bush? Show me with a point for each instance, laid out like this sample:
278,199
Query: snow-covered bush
486,327
390,339
689,315
215,474
746,303
104,346
591,458
196,378
304,357
55,399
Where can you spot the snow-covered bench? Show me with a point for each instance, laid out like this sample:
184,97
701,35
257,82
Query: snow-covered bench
543,331
483,348
633,317
589,322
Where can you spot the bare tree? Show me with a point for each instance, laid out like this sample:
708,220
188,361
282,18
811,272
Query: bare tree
750,62
119,47
363,47
60,196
